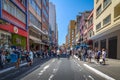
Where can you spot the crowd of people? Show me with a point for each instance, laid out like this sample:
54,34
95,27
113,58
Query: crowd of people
18,56
86,54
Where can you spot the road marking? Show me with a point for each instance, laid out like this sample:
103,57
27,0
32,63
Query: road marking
99,73
40,74
44,69
91,77
8,69
51,77
55,70
53,60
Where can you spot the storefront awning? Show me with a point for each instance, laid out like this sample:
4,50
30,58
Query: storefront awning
31,25
108,31
36,40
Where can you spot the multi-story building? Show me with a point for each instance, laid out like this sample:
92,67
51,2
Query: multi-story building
71,33
35,24
52,22
83,26
66,42
13,24
88,32
45,23
107,26
77,30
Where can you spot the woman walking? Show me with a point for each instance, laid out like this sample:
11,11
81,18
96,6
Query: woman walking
103,55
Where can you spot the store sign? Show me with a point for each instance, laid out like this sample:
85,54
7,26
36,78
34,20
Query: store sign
15,29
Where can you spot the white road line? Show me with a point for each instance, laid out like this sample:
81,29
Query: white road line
51,77
40,74
46,67
91,77
55,70
8,69
53,60
99,73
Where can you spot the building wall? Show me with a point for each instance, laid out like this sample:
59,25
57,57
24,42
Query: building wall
13,20
71,33
109,30
52,16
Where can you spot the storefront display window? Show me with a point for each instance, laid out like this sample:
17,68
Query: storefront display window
5,41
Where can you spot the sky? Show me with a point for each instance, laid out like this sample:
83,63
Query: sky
67,10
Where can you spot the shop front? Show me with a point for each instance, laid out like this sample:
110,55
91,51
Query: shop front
19,41
5,39
12,36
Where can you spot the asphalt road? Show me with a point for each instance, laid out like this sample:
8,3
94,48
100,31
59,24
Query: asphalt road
57,69
61,69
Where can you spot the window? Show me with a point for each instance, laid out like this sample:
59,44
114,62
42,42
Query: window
99,9
35,7
96,44
23,2
117,11
34,21
98,26
14,11
45,13
97,1
106,2
107,20
90,22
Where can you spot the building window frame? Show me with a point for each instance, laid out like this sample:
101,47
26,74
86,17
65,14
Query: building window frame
97,1
14,11
99,10
98,26
106,3
116,14
107,20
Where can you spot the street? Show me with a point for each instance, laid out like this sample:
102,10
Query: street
61,69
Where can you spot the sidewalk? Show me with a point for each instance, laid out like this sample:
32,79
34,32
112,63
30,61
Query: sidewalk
112,67
11,66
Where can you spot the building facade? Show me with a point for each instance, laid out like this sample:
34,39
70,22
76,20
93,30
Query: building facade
71,33
45,23
35,24
53,24
13,24
77,30
66,42
107,26
89,32
83,27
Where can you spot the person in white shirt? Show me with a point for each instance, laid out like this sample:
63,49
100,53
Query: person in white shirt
58,53
103,55
31,56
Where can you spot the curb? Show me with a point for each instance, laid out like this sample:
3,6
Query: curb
8,69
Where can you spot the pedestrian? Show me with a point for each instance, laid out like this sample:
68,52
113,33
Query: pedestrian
89,55
84,54
31,56
28,59
58,53
103,55
14,57
98,55
3,57
18,53
1,64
